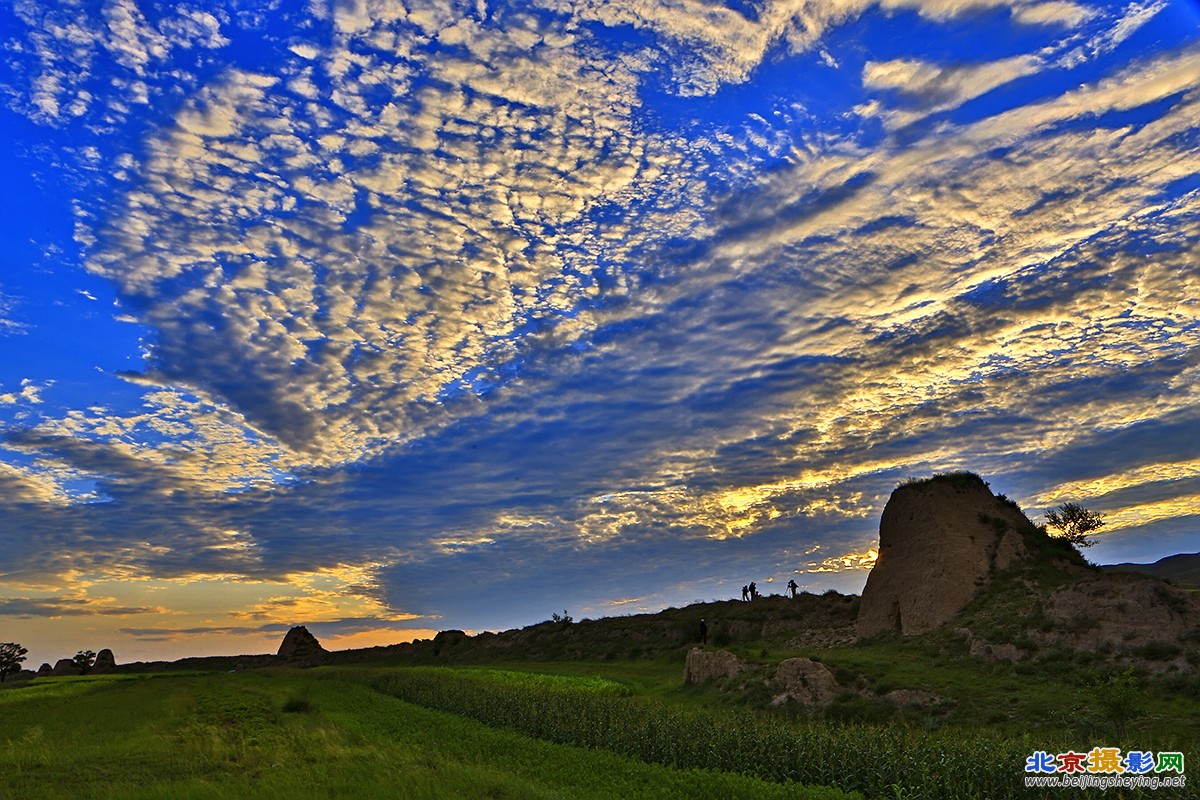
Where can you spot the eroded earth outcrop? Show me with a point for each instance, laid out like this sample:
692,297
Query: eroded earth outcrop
940,541
66,666
105,662
1125,614
946,548
301,649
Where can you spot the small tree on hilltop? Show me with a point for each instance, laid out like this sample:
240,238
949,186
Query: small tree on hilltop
84,659
1074,523
11,656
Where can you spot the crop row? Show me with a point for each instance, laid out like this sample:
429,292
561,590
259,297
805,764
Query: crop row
879,761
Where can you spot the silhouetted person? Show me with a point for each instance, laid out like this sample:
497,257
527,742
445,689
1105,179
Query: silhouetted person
753,590
792,587
745,593
703,632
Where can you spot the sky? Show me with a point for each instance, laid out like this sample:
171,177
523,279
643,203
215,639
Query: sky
394,316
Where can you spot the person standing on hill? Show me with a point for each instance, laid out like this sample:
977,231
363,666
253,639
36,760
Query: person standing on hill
745,593
703,632
753,590
792,587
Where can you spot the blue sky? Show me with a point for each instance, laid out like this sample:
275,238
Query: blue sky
390,316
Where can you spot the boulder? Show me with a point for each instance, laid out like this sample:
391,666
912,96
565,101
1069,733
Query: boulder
710,666
940,541
301,649
805,681
105,662
65,666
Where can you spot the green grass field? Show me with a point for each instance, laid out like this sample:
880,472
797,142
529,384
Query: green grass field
572,729
288,734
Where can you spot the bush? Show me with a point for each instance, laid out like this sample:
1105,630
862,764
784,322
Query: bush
297,705
1119,696
961,479
1074,523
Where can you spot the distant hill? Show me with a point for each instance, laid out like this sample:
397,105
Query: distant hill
1181,570
809,620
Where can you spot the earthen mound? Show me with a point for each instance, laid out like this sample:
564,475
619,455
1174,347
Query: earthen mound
105,662
940,541
301,649
66,666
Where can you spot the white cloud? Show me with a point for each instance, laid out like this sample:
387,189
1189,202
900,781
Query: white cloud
131,40
70,40
180,440
305,50
29,394
38,483
193,28
1123,23
8,325
478,186
1063,13
931,88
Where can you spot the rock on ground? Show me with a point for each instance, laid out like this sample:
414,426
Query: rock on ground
805,681
710,666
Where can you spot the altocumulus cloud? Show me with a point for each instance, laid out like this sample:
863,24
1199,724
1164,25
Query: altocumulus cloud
452,306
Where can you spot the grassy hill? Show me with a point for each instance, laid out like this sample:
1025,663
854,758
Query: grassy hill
772,621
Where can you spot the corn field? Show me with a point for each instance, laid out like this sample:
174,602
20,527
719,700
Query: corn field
880,761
